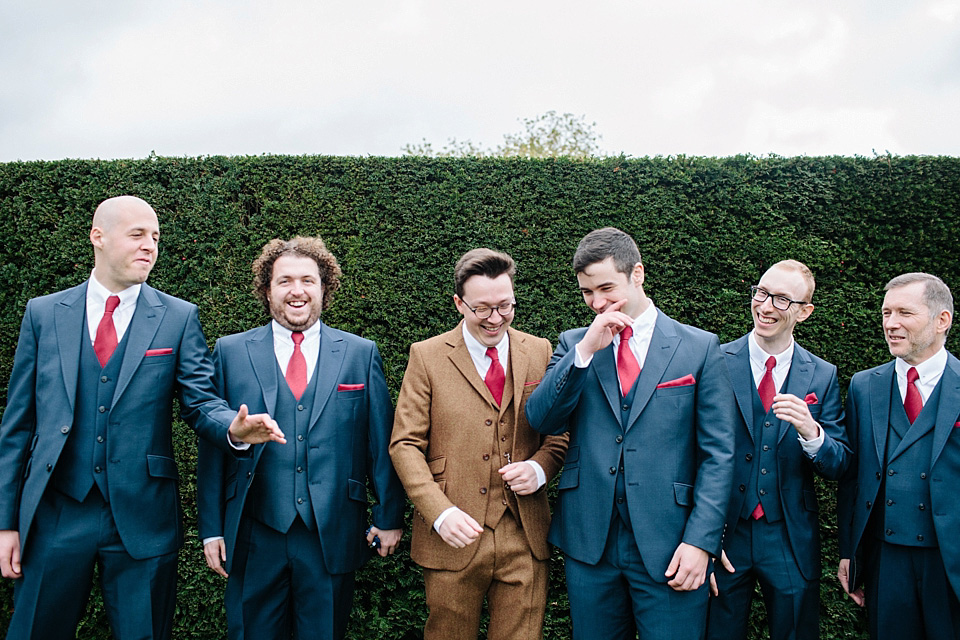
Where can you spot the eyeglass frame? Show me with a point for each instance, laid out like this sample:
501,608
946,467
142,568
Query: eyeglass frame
512,305
756,288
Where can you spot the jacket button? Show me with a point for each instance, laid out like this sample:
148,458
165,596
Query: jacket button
619,500
889,532
766,447
922,506
99,438
101,409
300,437
878,475
299,469
766,424
488,422
920,537
486,456
483,490
923,476
748,457
104,378
299,500
619,439
763,472
97,469
889,503
869,504
503,438
743,488
249,473
625,408
763,492
613,471
64,429
891,472
49,467
299,407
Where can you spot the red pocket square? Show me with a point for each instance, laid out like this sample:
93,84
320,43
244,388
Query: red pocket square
957,425
685,381
530,384
350,387
158,352
811,398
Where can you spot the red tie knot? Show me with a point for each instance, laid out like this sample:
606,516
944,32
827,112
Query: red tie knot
297,337
771,363
626,333
492,354
112,303
912,375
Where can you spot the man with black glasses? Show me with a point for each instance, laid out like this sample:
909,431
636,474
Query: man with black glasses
474,469
790,426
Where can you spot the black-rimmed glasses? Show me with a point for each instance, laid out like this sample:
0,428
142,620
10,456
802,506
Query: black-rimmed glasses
779,302
483,312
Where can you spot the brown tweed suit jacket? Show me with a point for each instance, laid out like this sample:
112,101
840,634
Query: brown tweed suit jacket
443,428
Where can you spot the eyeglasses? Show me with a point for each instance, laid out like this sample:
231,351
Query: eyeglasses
779,302
505,309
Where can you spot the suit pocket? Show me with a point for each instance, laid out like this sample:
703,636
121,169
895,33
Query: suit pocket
356,490
569,478
162,467
685,390
815,411
437,465
683,494
573,457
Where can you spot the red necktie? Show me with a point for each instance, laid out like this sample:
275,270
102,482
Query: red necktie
297,367
495,377
766,388
105,341
627,366
913,402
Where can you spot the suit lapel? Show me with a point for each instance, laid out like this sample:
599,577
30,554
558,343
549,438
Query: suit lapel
517,363
741,376
460,357
947,412
798,381
140,333
330,361
663,346
881,386
69,316
263,359
605,366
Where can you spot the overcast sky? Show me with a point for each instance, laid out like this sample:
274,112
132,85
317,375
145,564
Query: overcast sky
124,78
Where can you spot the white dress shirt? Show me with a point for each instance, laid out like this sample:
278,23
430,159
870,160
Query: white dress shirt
930,372
97,295
758,364
639,342
283,346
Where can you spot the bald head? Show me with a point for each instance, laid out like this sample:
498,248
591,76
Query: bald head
124,236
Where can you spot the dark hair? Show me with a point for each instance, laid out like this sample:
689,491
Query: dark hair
482,262
605,243
305,247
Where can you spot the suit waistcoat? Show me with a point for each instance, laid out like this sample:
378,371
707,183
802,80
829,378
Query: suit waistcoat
83,461
279,492
907,514
764,480
620,488
500,498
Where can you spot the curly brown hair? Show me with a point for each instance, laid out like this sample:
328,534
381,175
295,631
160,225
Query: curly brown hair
305,247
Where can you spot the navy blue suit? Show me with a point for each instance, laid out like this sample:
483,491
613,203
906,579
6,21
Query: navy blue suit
670,451
869,501
789,577
347,435
163,353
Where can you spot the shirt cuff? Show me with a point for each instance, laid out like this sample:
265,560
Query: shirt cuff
578,361
541,476
211,539
238,446
442,517
812,447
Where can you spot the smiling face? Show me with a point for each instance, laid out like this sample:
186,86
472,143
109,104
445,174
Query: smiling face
912,333
125,235
602,285
481,291
296,292
772,327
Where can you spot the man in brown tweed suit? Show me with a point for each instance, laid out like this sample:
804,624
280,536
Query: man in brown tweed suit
474,469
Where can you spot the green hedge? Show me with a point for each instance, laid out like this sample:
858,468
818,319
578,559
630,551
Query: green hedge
707,229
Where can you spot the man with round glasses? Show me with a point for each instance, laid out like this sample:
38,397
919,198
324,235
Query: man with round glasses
789,427
474,469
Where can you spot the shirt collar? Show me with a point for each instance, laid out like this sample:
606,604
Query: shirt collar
477,350
644,323
759,357
932,366
98,293
285,335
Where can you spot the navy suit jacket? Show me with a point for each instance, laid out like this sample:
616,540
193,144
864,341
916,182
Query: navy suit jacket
677,447
348,437
140,462
808,375
868,418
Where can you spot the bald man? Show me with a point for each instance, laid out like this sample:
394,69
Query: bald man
87,473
